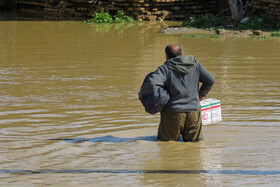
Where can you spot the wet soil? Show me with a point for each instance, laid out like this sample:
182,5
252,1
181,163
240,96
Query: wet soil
226,33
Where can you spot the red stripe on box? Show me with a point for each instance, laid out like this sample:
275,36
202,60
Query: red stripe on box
216,106
205,109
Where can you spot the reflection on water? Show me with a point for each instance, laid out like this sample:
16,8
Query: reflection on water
78,83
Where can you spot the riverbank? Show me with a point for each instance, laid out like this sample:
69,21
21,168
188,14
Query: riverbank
222,26
218,33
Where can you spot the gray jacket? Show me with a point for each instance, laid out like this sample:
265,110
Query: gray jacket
180,76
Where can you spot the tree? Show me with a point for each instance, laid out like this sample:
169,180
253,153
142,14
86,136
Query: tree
236,9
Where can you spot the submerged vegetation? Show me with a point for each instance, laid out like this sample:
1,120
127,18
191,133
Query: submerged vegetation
105,17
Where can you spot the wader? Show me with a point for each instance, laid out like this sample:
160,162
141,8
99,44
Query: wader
173,124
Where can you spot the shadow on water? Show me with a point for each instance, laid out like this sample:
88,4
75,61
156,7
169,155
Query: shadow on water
107,139
213,172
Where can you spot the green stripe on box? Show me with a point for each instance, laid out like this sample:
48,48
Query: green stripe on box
217,103
205,106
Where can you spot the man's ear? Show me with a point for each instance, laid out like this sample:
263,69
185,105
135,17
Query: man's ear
167,57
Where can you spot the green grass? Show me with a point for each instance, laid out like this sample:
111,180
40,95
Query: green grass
260,37
275,34
253,23
214,36
210,21
105,17
205,21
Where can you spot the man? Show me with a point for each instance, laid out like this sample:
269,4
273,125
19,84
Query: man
180,76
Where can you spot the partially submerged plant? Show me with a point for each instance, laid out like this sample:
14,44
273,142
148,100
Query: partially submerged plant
105,17
102,17
122,18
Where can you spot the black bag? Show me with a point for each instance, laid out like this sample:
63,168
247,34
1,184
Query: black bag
155,101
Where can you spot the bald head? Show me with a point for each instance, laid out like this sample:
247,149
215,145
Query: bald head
173,50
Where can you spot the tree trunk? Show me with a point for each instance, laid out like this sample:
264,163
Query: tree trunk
236,8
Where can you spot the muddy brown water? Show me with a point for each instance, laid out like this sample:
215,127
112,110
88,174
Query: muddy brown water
69,113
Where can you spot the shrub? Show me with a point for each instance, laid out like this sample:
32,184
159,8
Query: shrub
105,17
275,34
253,23
205,21
122,18
102,17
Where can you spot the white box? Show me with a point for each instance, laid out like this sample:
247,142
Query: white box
206,113
215,108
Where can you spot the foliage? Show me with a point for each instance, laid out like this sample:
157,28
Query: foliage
105,17
205,21
211,22
122,18
275,34
102,17
259,37
253,23
214,36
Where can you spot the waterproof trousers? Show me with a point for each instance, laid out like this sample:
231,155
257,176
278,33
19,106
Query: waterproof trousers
174,124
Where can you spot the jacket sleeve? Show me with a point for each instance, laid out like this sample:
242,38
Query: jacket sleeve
153,81
207,80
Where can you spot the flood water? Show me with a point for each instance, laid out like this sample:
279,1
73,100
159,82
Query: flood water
70,115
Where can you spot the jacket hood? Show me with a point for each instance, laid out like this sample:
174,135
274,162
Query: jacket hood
182,64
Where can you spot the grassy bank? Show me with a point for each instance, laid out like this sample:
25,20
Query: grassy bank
210,21
224,27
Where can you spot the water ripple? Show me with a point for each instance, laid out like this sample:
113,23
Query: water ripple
212,172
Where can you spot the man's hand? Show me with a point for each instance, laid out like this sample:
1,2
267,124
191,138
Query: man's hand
201,98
